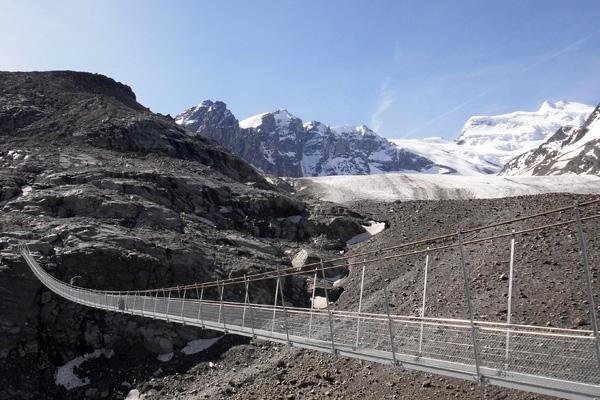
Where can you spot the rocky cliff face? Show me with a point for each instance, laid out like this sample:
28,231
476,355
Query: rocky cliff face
110,195
281,144
571,150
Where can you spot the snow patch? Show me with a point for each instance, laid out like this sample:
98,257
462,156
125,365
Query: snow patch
319,302
166,357
198,345
252,122
65,375
370,230
207,221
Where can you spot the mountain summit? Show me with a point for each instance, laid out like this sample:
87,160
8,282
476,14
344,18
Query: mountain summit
571,150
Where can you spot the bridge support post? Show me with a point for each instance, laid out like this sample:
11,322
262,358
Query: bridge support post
168,303
221,307
328,311
250,306
285,321
362,285
509,308
470,305
588,280
200,305
144,304
389,318
133,305
312,305
183,305
424,300
275,306
245,302
154,310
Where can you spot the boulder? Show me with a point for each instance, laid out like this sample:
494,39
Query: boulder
345,228
302,261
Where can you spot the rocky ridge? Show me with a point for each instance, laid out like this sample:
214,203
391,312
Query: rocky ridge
280,144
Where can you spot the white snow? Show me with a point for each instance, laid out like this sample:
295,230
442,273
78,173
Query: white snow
486,143
65,375
319,302
396,186
133,394
198,345
509,135
282,119
26,190
165,357
458,159
252,122
371,230
207,221
557,154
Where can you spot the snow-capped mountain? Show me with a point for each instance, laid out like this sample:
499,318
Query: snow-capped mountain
487,143
503,137
571,150
281,144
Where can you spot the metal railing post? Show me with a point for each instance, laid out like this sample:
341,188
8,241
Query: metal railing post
470,305
221,308
312,306
245,302
183,305
200,317
389,318
287,335
155,302
133,305
424,301
588,280
250,305
509,308
144,304
328,310
275,306
168,304
362,282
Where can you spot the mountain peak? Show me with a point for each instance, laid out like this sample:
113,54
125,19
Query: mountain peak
282,118
361,130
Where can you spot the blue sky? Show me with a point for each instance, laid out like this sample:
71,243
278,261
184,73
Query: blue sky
405,68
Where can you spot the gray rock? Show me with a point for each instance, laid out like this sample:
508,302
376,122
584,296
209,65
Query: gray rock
302,258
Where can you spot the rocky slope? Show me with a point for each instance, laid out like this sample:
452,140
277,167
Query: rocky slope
111,195
280,144
571,150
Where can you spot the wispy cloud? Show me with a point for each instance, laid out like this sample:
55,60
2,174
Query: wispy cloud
538,61
385,99
558,52
446,113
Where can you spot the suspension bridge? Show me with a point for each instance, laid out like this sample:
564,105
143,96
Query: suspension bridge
558,361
